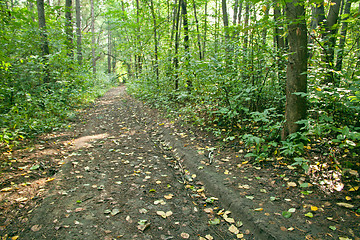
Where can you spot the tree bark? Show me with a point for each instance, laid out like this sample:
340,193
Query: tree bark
186,39
69,27
93,37
176,59
340,55
296,84
44,39
156,66
197,31
78,31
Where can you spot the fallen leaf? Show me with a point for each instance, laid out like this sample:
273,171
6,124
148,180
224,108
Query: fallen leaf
286,214
233,229
291,184
143,211
128,219
354,189
332,228
164,214
115,211
215,221
160,201
35,228
250,197
309,214
292,210
258,209
7,189
314,208
21,199
229,220
208,210
209,237
347,205
185,235
348,198
50,179
14,237
239,235
169,196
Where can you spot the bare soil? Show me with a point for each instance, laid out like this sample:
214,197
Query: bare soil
121,171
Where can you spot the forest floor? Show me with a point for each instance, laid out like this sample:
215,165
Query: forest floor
121,171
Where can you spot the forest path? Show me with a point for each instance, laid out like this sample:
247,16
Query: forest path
130,174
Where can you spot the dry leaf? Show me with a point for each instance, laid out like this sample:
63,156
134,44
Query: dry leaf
169,196
209,237
164,214
239,235
347,205
7,189
35,228
291,184
208,210
185,235
233,229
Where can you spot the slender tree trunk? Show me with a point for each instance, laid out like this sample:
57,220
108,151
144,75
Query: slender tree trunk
246,24
69,27
186,39
340,55
109,48
296,84
197,31
93,37
156,66
44,39
225,20
266,17
236,7
176,59
78,32
205,30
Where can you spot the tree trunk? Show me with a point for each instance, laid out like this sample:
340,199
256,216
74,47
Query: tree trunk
225,20
78,32
205,31
186,39
93,37
156,66
69,27
296,84
176,59
236,7
246,24
109,48
197,31
44,39
266,17
340,55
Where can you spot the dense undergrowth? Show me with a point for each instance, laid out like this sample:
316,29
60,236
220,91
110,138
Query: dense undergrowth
248,116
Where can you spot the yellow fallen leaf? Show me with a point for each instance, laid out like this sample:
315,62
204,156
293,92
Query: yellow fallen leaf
291,184
229,220
347,205
314,208
14,237
7,189
50,179
209,237
348,198
258,209
233,229
353,189
21,199
226,172
158,182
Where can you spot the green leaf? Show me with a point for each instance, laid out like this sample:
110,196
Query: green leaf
309,214
152,190
286,214
332,228
306,192
36,167
215,221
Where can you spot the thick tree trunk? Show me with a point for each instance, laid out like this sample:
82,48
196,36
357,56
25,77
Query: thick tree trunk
78,31
44,39
296,84
225,20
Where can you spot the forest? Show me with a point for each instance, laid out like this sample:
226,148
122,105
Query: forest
277,80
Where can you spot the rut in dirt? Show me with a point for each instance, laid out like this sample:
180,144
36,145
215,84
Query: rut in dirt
121,181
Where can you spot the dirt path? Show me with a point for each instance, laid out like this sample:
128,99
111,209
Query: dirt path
128,174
